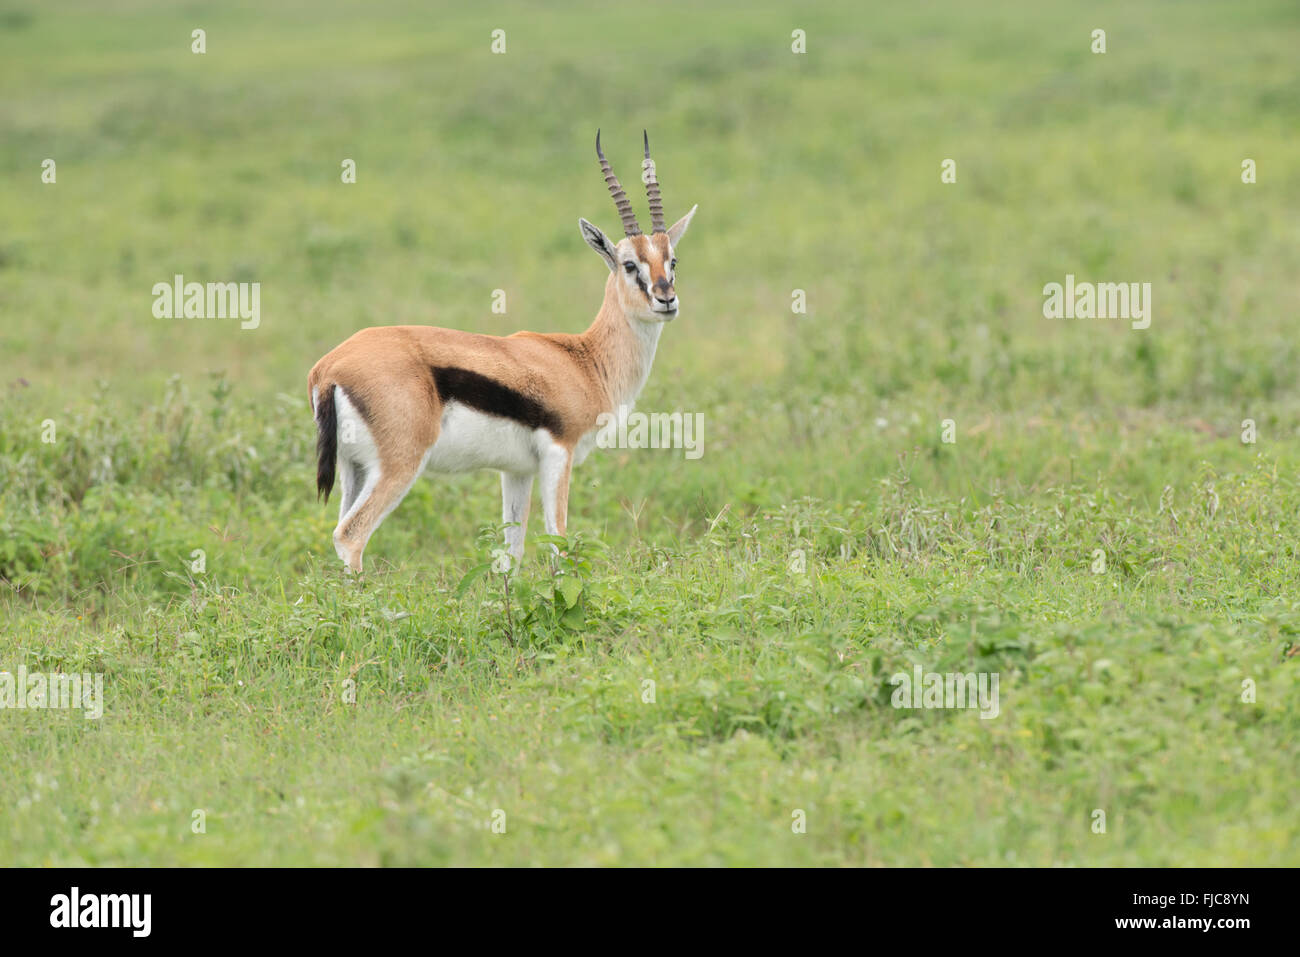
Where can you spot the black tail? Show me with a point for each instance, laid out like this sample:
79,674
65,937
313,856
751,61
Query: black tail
326,443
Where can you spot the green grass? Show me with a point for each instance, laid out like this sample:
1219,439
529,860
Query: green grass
224,689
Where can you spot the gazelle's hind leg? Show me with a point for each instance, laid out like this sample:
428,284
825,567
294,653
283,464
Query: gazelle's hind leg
358,485
374,480
378,497
556,470
516,497
353,476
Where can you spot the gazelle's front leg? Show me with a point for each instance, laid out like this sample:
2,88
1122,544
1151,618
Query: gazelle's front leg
516,496
556,470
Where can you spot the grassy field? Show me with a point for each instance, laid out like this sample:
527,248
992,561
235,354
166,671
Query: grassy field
158,522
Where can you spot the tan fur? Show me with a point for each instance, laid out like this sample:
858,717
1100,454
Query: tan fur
388,368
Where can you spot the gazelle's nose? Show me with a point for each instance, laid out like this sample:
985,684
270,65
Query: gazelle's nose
667,307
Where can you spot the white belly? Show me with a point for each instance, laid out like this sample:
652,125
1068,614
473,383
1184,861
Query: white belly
470,440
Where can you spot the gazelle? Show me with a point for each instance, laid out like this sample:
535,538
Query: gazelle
393,401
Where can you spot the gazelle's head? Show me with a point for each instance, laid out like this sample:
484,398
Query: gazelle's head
644,267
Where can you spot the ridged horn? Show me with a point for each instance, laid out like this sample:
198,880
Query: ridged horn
630,226
652,189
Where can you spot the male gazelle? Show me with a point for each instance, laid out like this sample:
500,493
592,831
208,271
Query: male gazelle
393,401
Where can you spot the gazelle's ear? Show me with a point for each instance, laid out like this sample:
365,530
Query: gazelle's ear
599,242
678,229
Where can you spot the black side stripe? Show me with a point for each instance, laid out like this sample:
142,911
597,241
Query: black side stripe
492,398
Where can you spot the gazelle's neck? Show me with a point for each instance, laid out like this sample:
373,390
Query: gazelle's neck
624,346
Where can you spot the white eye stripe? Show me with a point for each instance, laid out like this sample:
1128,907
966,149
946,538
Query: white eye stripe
642,270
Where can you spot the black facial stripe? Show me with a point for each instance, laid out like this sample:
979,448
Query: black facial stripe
493,398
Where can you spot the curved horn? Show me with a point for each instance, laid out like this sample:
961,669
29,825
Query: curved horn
620,198
652,189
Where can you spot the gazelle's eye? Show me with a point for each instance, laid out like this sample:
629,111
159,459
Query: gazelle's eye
630,266
673,264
